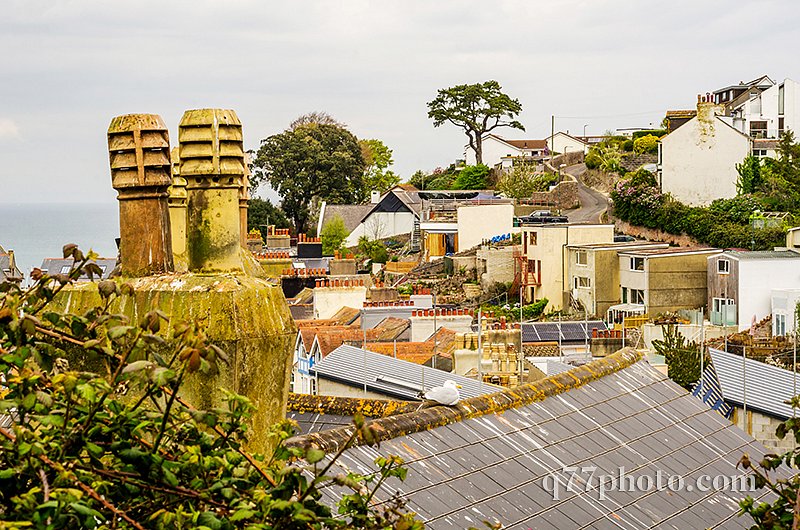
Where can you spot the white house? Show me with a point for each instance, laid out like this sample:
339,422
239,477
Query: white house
766,113
394,213
306,354
741,284
697,161
563,143
497,150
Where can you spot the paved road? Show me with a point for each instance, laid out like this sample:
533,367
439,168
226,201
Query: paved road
593,203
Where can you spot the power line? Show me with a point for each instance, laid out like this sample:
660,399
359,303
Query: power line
609,115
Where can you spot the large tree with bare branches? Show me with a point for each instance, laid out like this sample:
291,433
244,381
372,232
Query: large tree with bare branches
478,109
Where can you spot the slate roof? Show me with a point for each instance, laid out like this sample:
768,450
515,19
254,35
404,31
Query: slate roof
56,265
767,386
389,376
487,458
570,332
760,254
351,214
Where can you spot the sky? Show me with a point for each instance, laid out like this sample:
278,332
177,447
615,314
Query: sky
69,66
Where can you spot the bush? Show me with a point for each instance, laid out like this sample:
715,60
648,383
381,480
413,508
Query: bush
593,159
120,449
645,144
473,178
627,146
333,235
523,180
373,249
658,133
529,312
725,224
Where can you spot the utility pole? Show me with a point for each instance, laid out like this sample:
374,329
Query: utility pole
435,337
480,347
552,136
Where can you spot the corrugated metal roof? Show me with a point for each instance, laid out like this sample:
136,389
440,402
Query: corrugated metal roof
568,331
498,467
392,377
766,386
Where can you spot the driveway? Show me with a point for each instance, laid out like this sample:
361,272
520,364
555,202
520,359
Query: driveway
593,203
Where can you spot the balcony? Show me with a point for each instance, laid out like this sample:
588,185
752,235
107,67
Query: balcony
718,318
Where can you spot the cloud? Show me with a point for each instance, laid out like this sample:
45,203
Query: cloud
8,129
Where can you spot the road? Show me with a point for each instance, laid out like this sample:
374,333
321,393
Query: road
593,203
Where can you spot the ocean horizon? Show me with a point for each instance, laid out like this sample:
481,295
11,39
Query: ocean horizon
39,230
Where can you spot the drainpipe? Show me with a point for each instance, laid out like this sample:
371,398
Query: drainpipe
212,162
139,157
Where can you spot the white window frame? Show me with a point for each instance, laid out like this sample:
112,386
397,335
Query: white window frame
723,266
66,269
581,257
636,299
634,261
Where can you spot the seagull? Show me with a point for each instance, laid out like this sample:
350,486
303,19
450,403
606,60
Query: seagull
444,395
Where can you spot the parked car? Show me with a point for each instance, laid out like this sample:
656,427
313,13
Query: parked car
543,216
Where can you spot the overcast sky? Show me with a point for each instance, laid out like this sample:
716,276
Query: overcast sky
69,66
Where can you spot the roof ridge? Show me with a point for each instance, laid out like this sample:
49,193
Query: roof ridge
386,428
346,406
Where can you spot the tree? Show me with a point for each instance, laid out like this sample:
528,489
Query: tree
478,109
262,213
313,161
645,144
373,249
473,178
522,180
418,179
682,357
316,117
378,159
120,449
333,235
749,180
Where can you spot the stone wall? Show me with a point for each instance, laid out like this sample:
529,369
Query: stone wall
495,265
563,197
762,428
651,234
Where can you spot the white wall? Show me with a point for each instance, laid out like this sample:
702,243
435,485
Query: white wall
329,300
699,161
783,302
476,223
422,327
380,225
565,143
757,279
791,108
493,149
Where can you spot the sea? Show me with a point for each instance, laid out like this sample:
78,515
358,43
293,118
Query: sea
38,231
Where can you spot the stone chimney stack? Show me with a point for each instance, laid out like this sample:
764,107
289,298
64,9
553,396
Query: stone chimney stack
138,150
177,213
244,200
212,162
707,109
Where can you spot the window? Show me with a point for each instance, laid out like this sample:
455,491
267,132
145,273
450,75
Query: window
580,257
723,266
759,153
637,264
65,269
532,239
582,282
532,266
624,295
637,296
780,325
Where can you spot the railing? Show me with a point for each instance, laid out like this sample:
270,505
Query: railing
718,317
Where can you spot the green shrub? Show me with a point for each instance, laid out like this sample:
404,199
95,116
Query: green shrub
592,159
658,133
333,235
627,146
373,249
645,144
473,178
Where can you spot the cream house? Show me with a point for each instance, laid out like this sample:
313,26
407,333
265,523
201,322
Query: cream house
697,161
545,271
593,273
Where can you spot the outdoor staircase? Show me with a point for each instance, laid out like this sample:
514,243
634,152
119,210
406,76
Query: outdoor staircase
416,236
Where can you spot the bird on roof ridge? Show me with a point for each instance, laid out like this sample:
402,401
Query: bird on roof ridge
446,394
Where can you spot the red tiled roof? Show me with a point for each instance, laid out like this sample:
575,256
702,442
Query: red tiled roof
527,144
